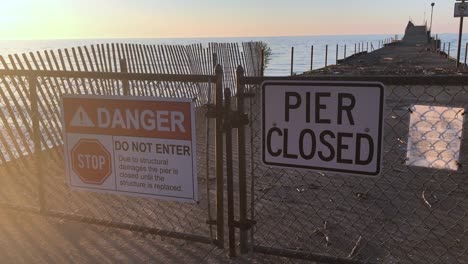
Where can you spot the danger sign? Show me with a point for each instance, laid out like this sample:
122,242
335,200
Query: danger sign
139,146
327,126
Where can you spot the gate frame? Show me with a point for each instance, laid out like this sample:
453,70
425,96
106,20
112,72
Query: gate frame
216,79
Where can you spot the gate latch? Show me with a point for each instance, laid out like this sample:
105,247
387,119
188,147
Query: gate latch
235,119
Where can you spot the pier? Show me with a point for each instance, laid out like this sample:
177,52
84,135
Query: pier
416,54
415,210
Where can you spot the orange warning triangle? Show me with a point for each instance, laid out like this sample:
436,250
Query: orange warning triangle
81,119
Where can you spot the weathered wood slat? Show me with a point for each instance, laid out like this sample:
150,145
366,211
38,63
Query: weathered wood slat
44,106
193,59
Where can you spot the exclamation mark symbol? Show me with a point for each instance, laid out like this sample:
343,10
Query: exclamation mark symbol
81,118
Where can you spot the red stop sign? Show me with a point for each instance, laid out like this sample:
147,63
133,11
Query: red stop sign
91,161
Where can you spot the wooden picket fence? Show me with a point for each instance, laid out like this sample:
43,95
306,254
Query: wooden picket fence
15,102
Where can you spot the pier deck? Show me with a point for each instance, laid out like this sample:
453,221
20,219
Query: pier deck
397,59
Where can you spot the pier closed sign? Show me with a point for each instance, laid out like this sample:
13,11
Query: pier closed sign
139,146
325,126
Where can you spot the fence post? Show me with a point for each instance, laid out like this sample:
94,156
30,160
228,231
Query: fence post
336,59
33,86
229,172
344,55
466,50
311,57
242,162
448,51
326,55
292,61
367,48
125,82
219,156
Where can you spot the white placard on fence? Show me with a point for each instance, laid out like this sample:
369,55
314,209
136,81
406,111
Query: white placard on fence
326,126
139,146
434,138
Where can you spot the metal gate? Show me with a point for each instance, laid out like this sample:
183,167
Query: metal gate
408,214
32,163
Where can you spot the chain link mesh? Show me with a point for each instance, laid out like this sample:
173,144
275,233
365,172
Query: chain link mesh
414,212
19,173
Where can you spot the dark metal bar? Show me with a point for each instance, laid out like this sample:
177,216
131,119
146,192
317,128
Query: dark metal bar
448,51
32,80
386,79
292,61
219,156
326,55
131,227
113,75
344,55
466,53
242,161
460,34
229,172
303,255
336,57
125,83
311,57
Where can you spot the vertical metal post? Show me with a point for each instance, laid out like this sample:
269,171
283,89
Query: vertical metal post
448,51
292,61
336,56
326,56
466,53
344,55
229,172
219,156
33,87
125,83
242,162
460,34
432,13
367,49
443,49
355,48
311,57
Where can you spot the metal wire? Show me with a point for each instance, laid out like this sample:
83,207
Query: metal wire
415,212
19,188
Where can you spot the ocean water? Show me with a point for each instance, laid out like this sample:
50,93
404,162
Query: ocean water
280,63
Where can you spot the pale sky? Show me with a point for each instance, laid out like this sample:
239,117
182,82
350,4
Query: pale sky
69,19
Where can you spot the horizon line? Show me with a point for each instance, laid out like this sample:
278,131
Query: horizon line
212,37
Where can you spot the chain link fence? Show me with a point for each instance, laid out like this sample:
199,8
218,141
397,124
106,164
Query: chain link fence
36,180
414,212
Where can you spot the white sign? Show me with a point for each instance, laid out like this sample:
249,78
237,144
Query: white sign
141,146
461,9
434,138
326,126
